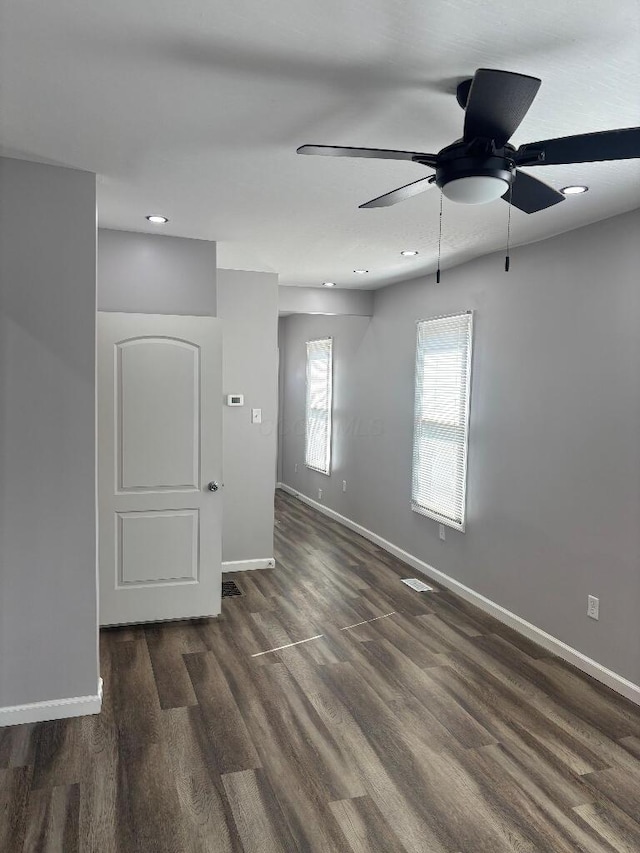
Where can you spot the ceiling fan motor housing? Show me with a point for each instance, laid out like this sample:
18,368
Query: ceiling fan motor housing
463,161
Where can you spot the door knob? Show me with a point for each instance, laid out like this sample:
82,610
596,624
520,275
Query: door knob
213,486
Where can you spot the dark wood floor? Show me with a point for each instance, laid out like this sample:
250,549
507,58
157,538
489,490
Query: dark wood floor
431,729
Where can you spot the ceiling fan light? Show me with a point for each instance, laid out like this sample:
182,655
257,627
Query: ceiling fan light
475,189
574,190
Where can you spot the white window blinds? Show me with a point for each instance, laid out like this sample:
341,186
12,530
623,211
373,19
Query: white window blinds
441,419
317,452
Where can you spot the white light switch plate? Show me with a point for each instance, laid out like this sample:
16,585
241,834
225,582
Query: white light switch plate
256,416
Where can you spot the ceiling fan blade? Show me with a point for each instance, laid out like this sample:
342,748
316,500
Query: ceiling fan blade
622,144
401,193
497,103
531,195
373,153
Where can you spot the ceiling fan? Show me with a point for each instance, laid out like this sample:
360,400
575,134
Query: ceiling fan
483,166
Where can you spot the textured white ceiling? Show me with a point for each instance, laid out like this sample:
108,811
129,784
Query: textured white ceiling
195,108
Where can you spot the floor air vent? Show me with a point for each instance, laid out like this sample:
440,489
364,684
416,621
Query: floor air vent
230,588
418,585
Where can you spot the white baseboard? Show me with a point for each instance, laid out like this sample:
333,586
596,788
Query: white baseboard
56,709
248,565
547,641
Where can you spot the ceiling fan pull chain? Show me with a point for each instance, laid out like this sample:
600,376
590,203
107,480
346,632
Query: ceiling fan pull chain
507,260
439,240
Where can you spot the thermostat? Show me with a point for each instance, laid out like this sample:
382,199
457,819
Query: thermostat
235,399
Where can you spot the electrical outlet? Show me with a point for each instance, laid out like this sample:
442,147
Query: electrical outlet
593,607
442,532
319,494
344,485
295,468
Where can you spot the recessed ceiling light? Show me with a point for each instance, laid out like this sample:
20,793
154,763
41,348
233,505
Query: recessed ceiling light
409,253
329,283
574,190
157,220
361,272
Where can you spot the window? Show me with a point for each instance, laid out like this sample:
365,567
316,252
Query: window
317,448
441,418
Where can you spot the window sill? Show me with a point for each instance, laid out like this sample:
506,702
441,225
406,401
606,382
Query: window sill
441,519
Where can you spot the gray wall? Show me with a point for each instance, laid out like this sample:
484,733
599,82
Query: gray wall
324,300
281,394
154,274
349,428
48,618
248,307
554,458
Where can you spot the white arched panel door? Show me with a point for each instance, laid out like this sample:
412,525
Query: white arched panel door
159,467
